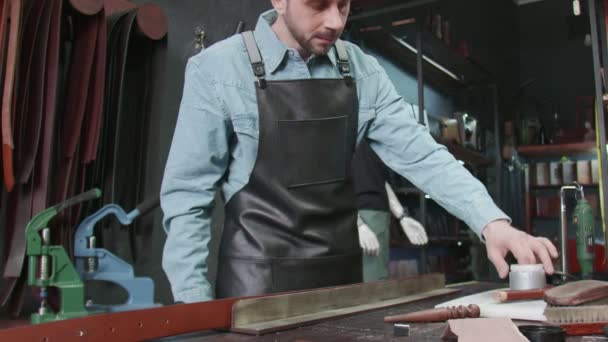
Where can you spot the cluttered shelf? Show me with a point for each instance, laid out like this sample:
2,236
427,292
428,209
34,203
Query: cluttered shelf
558,150
457,63
443,66
558,186
464,154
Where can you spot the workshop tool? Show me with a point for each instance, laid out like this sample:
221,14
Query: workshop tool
503,296
55,268
585,231
94,263
579,307
154,323
436,315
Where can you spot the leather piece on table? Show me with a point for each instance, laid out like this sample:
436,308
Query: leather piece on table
577,292
12,58
484,329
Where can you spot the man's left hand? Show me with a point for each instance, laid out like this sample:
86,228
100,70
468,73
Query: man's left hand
502,238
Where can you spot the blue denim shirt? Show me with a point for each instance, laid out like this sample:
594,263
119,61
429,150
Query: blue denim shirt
216,140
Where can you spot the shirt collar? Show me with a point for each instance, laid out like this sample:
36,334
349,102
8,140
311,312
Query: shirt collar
273,51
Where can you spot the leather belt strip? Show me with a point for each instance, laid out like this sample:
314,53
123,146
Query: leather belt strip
180,319
27,130
8,97
35,109
135,325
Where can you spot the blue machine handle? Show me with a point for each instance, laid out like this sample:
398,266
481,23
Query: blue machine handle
85,229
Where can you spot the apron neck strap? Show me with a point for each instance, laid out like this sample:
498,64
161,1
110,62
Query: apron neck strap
255,58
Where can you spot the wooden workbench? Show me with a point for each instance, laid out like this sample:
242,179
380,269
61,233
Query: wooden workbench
361,327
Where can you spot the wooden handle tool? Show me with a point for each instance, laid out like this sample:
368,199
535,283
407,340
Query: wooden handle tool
513,295
436,315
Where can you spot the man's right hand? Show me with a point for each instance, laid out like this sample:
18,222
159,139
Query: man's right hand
368,240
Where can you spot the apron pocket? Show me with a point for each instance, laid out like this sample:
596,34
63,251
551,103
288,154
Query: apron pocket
309,273
313,151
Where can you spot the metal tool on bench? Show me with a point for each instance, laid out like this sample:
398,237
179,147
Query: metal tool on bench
585,231
94,263
55,267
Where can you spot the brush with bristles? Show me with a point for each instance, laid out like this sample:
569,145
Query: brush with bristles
580,307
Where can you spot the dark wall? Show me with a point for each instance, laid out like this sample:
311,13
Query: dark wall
562,66
490,29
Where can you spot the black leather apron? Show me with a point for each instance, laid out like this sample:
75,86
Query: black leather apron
293,226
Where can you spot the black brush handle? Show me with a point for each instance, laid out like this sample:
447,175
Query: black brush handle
148,205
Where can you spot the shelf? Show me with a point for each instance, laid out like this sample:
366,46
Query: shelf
557,187
557,218
390,43
572,149
468,156
465,69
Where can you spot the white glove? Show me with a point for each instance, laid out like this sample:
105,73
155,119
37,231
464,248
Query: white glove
414,231
368,240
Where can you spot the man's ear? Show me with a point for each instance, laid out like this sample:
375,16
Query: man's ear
279,6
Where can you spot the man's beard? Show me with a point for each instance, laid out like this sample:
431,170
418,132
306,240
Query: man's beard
306,44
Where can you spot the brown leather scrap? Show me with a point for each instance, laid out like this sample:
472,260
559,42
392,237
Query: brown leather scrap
577,292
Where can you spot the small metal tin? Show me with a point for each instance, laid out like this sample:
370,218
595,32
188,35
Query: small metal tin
527,277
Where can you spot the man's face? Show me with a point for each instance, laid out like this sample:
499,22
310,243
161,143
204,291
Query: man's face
314,24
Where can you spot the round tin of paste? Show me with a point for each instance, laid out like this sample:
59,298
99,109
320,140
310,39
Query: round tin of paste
527,277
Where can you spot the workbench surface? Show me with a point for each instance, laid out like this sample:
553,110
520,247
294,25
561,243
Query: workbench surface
367,326
359,327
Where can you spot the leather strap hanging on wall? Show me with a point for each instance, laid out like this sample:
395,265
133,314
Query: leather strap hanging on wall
20,13
35,118
12,57
28,116
132,32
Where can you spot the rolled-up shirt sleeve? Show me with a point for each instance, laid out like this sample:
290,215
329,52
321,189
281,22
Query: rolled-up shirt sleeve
197,160
408,148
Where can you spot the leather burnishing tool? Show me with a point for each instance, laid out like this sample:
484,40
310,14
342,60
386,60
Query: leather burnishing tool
436,315
50,266
94,263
